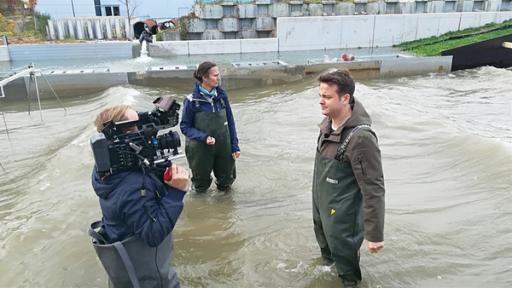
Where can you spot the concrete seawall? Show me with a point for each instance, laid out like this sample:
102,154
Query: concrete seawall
337,32
68,83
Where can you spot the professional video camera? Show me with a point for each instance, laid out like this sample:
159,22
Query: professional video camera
116,150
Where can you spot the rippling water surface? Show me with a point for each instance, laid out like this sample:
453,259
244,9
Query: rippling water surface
446,142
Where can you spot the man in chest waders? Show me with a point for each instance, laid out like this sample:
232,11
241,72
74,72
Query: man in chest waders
348,183
208,123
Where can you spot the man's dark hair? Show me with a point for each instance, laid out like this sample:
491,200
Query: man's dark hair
203,70
343,81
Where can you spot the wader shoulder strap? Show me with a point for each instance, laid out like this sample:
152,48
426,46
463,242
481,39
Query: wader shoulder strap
127,263
190,97
100,240
343,147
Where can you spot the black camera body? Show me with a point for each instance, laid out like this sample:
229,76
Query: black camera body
116,150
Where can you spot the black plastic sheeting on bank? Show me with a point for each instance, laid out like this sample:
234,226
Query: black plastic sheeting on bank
485,53
138,27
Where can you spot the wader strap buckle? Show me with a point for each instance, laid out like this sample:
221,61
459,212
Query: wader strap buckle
94,232
343,147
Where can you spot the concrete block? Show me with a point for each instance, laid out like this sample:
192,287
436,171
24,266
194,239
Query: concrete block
168,48
296,2
247,24
227,3
264,24
393,29
328,10
263,2
344,8
230,35
357,31
229,11
469,20
478,6
392,8
280,9
329,2
247,34
464,6
421,7
212,35
407,7
194,36
360,8
435,7
506,5
196,25
258,45
211,24
4,54
211,12
360,1
214,46
296,9
171,36
489,17
228,25
376,8
436,24
247,11
262,10
505,15
315,9
448,22
493,5
450,6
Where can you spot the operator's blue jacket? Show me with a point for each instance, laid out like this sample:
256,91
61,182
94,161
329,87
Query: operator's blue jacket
219,102
133,203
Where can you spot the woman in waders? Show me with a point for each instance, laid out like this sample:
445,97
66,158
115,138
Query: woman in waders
207,122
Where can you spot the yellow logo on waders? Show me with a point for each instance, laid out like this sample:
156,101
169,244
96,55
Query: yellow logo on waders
333,211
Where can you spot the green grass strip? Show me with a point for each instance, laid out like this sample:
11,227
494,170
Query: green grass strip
433,46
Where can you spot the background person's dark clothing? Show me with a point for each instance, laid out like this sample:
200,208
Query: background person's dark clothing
348,194
219,102
208,113
145,36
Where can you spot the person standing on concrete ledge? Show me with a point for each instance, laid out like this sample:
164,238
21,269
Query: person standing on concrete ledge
348,183
208,124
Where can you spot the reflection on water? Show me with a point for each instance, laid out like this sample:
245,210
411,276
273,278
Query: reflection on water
446,142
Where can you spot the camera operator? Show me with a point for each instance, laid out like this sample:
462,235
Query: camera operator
139,212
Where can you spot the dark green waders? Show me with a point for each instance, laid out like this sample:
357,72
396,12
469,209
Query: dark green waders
203,158
337,215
